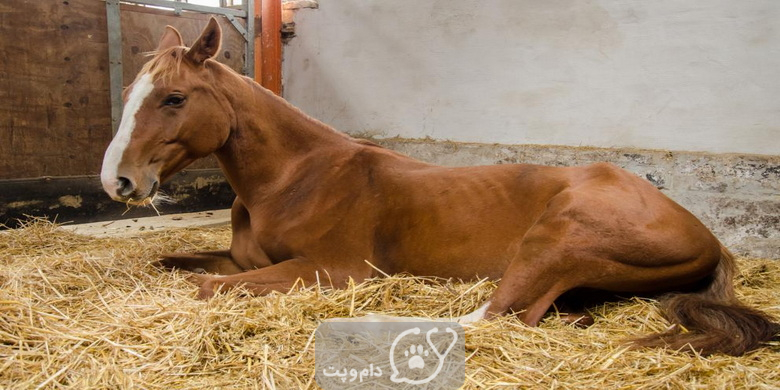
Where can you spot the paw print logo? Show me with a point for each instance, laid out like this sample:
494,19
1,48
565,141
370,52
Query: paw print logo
416,361
415,355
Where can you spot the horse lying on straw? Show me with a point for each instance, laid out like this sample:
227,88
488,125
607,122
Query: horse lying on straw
316,205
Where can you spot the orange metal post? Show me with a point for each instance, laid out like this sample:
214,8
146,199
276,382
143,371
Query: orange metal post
271,42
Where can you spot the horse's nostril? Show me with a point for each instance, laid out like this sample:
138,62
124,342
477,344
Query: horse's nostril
125,187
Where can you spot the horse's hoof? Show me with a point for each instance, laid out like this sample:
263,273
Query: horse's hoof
206,291
169,261
205,283
579,320
198,279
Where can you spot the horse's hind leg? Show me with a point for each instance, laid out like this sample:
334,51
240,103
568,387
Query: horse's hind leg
526,289
542,270
572,307
560,253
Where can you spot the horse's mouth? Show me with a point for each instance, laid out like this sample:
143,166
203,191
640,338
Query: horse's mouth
146,200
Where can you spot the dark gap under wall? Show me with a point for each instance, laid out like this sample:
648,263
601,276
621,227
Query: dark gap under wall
80,199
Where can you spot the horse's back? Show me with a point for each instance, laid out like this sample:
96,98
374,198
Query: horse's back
470,218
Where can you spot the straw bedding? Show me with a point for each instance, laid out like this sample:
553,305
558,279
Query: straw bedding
82,312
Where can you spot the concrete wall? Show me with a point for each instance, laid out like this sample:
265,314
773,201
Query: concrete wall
700,75
699,81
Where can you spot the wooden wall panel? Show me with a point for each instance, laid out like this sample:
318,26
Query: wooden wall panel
54,84
143,26
54,106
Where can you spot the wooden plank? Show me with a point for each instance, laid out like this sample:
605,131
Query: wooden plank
55,115
54,108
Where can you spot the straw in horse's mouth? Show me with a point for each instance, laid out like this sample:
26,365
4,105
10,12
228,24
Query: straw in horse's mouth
154,198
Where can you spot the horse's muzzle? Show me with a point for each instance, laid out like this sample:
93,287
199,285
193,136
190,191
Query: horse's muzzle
123,189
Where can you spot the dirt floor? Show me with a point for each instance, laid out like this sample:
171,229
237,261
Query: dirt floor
80,311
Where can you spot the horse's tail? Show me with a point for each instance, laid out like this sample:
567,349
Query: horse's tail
713,320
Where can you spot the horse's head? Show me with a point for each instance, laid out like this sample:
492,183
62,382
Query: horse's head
173,115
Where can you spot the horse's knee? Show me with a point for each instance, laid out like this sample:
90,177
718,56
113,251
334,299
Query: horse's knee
244,249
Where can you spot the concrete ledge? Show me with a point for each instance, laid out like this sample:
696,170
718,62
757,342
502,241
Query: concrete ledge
737,196
133,226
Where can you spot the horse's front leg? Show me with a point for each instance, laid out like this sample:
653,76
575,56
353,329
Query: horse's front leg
216,262
244,253
280,277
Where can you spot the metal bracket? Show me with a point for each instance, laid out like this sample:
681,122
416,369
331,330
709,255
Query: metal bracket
241,30
176,5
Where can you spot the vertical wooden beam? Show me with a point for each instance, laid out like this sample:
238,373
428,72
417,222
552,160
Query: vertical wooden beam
250,37
257,39
113,21
271,42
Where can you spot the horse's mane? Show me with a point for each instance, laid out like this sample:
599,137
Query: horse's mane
164,63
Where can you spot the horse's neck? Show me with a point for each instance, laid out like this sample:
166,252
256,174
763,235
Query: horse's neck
269,136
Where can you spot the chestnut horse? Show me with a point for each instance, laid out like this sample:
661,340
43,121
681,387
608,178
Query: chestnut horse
315,205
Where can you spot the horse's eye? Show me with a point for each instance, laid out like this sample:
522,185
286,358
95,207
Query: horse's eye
174,101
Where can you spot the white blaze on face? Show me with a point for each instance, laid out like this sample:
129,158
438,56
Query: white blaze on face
108,175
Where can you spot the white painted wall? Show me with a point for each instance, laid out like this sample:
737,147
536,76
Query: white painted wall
700,75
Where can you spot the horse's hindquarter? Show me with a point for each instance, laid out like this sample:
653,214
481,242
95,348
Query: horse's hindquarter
637,220
624,234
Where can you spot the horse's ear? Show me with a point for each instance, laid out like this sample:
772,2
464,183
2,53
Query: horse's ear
170,38
208,43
